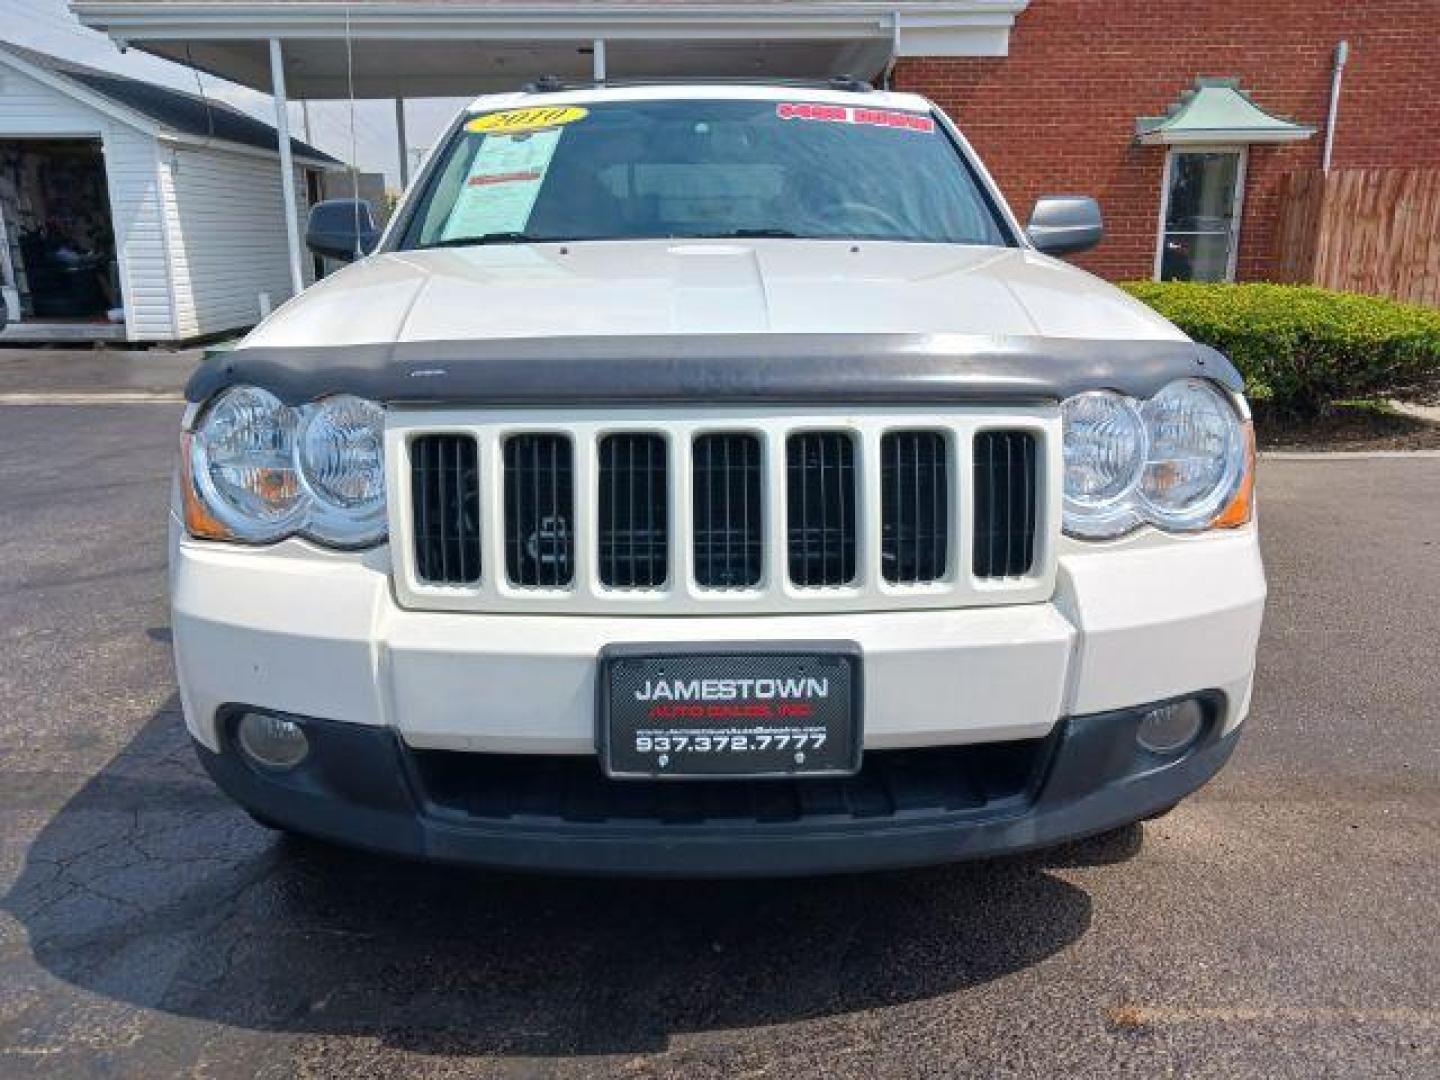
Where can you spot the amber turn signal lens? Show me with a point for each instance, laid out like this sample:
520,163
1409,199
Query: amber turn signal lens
199,522
1242,507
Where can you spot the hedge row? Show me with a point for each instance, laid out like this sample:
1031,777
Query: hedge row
1303,348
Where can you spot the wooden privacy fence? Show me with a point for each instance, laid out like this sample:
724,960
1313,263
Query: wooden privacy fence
1362,230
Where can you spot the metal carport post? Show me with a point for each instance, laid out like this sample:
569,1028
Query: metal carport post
287,164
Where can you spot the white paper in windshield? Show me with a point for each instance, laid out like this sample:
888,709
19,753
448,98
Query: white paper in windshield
503,183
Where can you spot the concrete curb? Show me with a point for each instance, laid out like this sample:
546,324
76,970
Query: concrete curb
1346,455
99,397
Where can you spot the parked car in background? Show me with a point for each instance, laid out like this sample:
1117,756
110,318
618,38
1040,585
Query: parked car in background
713,479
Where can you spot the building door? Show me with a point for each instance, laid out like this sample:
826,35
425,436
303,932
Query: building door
59,262
1200,214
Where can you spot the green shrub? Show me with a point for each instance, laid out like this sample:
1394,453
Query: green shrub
1302,348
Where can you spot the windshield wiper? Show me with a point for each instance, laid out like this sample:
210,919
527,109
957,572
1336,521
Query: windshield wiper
528,238
499,238
743,234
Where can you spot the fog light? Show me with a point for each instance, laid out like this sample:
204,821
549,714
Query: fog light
272,741
1170,728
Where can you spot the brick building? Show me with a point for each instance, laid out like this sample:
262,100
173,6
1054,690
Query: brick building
1059,112
1053,93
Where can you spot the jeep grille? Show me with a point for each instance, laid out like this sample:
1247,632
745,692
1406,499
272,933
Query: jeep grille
717,512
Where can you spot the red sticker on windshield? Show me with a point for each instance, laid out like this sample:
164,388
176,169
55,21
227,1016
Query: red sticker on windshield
849,114
486,179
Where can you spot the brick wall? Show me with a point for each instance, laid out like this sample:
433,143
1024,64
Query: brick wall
1058,114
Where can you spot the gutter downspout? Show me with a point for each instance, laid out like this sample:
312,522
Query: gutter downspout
1342,54
887,77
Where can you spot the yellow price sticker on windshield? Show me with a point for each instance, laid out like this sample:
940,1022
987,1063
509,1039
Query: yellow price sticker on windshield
519,121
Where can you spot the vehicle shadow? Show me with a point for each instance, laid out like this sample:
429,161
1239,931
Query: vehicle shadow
150,888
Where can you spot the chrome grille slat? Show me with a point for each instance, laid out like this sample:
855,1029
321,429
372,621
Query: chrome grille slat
445,505
728,541
915,533
633,535
539,531
820,508
1005,464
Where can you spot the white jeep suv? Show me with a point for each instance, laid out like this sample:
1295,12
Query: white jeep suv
713,480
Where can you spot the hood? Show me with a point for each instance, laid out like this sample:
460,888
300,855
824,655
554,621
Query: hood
655,287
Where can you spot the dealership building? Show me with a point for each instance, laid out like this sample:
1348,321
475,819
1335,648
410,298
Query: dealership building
1225,140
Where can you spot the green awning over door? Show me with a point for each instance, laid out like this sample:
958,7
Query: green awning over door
1217,111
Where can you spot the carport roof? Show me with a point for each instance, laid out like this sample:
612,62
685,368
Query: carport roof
171,111
457,48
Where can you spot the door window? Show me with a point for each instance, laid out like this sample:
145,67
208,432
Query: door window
1201,228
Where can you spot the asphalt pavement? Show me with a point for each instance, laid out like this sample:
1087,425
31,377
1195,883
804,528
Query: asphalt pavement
1283,922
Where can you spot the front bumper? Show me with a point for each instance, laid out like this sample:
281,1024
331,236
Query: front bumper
295,630
363,787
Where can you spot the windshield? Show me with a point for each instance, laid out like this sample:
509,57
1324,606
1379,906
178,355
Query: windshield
697,168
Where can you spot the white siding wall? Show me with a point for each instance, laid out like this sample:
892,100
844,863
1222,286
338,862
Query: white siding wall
29,107
226,236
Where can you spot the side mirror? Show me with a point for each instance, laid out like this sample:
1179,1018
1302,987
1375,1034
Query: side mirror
1061,224
341,229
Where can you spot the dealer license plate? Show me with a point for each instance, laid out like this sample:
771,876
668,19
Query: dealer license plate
729,714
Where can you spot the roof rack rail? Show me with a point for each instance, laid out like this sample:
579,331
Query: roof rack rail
553,84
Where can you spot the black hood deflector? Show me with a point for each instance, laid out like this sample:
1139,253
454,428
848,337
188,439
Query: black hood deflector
719,369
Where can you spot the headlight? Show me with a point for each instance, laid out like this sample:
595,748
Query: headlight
242,462
1197,452
1181,461
258,470
342,461
1104,457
